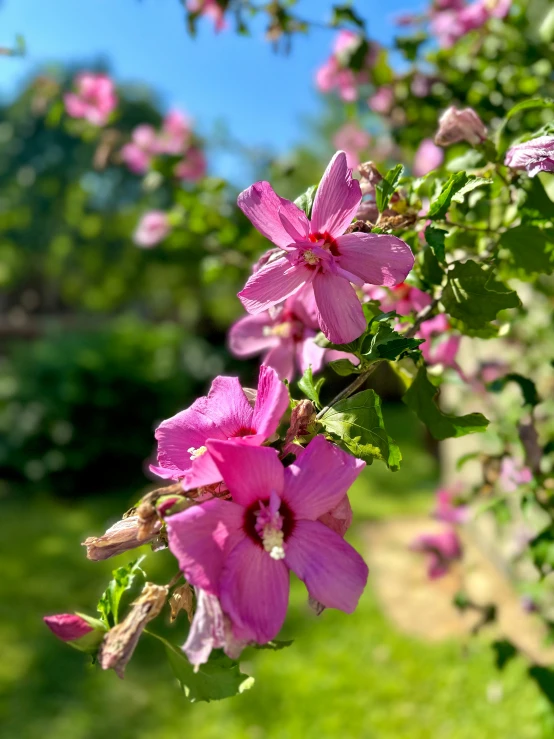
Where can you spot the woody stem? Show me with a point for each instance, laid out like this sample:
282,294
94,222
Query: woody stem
358,382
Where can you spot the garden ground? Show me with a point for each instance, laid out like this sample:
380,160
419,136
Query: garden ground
353,676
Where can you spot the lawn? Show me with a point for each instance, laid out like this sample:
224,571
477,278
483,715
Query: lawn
345,676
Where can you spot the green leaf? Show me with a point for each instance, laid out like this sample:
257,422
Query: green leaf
542,549
435,238
430,270
346,14
454,189
537,206
386,343
124,587
533,103
219,678
310,388
474,297
344,367
531,250
440,205
527,386
410,45
422,396
357,424
384,189
471,159
306,201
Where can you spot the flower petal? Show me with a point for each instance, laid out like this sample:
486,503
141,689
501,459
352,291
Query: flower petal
228,407
319,479
271,284
341,317
332,570
272,401
188,429
281,358
203,471
337,198
251,473
198,538
247,336
379,259
309,354
267,212
254,592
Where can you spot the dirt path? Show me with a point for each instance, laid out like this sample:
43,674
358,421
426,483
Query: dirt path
424,608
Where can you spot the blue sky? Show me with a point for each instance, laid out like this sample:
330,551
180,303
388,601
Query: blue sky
260,95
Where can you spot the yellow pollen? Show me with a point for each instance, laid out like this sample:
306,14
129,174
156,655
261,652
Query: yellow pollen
273,542
310,257
194,453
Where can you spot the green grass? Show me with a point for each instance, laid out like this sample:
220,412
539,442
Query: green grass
345,676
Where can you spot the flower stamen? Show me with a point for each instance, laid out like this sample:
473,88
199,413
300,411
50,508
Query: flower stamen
195,453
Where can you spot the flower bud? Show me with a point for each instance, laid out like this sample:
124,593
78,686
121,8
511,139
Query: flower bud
302,416
460,125
84,634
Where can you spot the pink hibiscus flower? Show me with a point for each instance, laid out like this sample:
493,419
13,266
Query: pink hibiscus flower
285,335
175,133
242,551
193,166
447,509
427,158
211,9
513,474
224,413
138,153
152,228
440,347
94,98
382,100
317,252
352,140
442,550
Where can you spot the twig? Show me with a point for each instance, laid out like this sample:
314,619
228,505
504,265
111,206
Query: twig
358,382
420,318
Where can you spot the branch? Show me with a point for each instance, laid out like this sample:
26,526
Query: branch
350,389
420,318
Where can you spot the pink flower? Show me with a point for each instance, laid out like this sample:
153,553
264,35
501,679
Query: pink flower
224,414
440,347
94,99
285,335
402,298
452,19
138,154
535,155
193,166
175,133
352,140
513,474
442,549
427,158
335,73
447,509
317,252
153,227
460,125
67,626
211,9
382,100
242,551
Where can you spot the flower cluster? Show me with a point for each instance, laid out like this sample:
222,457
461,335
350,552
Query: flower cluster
318,252
336,73
174,138
452,19
94,98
